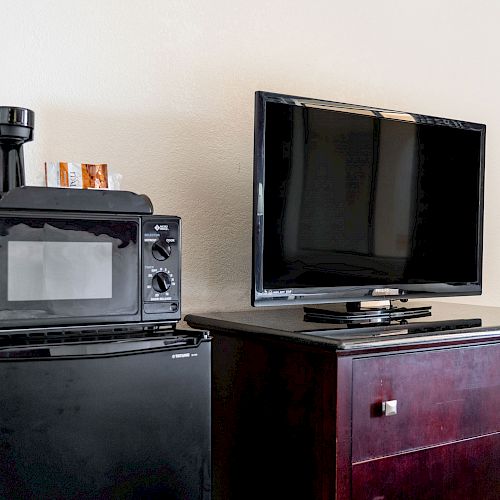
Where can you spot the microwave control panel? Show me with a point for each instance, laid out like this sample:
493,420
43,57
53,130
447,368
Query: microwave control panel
161,260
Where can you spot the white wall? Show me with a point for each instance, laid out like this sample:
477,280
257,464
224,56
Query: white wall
163,91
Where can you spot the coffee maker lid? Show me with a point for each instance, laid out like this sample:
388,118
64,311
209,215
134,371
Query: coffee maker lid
11,115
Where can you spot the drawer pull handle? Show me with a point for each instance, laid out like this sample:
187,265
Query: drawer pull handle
390,407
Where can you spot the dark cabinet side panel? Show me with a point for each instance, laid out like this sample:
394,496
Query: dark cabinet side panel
273,420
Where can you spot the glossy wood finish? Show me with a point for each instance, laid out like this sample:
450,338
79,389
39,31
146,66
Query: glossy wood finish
288,324
443,395
464,470
344,419
295,415
274,409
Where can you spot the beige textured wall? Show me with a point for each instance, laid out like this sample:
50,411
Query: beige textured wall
163,91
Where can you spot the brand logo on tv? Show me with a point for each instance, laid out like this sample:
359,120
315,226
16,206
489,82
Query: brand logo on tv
385,291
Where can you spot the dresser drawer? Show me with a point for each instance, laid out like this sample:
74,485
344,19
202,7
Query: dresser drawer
442,396
467,469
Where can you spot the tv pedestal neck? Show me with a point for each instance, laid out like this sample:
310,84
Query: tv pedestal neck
375,311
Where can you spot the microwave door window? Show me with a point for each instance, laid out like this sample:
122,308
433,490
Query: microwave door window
51,270
69,271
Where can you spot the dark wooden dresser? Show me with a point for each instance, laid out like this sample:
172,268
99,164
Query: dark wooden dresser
398,411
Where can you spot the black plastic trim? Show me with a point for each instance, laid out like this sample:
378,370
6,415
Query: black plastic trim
299,296
76,200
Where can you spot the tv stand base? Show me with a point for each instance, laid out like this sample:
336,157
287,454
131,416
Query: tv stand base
375,311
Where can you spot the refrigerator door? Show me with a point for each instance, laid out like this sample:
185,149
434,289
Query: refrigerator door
124,419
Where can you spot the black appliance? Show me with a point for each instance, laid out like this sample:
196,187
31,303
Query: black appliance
16,128
355,203
102,396
72,258
116,416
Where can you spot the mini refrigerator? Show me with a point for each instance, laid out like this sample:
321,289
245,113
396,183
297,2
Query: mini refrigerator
106,416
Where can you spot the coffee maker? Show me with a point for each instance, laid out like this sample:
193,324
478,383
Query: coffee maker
16,128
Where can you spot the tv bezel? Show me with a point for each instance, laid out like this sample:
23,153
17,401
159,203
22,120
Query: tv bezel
325,295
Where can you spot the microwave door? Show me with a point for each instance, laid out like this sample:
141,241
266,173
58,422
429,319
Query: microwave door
69,271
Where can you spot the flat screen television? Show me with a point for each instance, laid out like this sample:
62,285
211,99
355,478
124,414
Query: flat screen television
354,203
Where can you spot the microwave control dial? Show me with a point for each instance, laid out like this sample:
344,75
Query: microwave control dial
161,250
161,282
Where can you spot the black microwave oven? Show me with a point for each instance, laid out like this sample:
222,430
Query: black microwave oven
89,266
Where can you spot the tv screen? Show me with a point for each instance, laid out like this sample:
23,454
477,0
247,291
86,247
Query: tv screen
353,203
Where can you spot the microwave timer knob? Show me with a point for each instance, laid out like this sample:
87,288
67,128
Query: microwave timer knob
161,250
161,282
